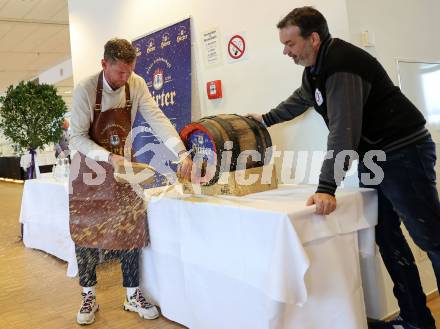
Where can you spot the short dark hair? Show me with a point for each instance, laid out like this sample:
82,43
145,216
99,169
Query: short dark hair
308,19
119,49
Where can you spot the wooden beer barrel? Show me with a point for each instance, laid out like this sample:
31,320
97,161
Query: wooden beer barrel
207,137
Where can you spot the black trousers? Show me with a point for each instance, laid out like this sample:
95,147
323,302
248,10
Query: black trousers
88,258
408,194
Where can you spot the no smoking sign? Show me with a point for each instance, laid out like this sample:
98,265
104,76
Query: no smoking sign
236,47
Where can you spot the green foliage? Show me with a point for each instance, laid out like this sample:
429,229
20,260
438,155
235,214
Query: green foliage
31,115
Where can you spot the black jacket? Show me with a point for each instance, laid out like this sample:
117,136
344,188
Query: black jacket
359,103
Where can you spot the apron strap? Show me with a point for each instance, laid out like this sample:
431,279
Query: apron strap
99,93
127,97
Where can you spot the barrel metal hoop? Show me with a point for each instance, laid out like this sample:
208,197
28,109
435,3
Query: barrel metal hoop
267,138
211,131
227,127
252,124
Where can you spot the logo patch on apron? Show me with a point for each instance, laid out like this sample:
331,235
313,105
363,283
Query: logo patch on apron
115,140
318,97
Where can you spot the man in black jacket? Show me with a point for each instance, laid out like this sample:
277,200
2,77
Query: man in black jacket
368,116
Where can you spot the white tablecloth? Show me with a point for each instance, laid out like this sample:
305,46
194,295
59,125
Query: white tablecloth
259,261
45,218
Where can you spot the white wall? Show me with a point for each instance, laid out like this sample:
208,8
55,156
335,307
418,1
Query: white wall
253,85
404,29
400,29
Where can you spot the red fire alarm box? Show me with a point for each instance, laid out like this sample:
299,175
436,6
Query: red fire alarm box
214,89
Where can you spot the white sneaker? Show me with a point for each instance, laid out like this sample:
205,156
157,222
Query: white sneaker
86,313
137,303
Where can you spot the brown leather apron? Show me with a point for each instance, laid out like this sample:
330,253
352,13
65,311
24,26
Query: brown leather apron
103,213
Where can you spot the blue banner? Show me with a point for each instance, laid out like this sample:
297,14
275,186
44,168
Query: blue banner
164,61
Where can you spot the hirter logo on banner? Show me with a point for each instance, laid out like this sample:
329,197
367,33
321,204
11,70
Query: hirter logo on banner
158,79
138,51
166,41
182,35
151,46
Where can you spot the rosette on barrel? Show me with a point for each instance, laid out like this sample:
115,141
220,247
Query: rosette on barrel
226,142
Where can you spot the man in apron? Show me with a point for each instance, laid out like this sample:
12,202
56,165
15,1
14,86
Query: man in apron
105,214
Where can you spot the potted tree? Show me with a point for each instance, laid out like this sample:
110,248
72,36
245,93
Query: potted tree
31,116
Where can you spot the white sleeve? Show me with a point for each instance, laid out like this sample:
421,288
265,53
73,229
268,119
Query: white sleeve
158,121
79,127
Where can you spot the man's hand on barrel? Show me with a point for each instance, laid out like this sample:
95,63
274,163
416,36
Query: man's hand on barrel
325,203
255,116
184,166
